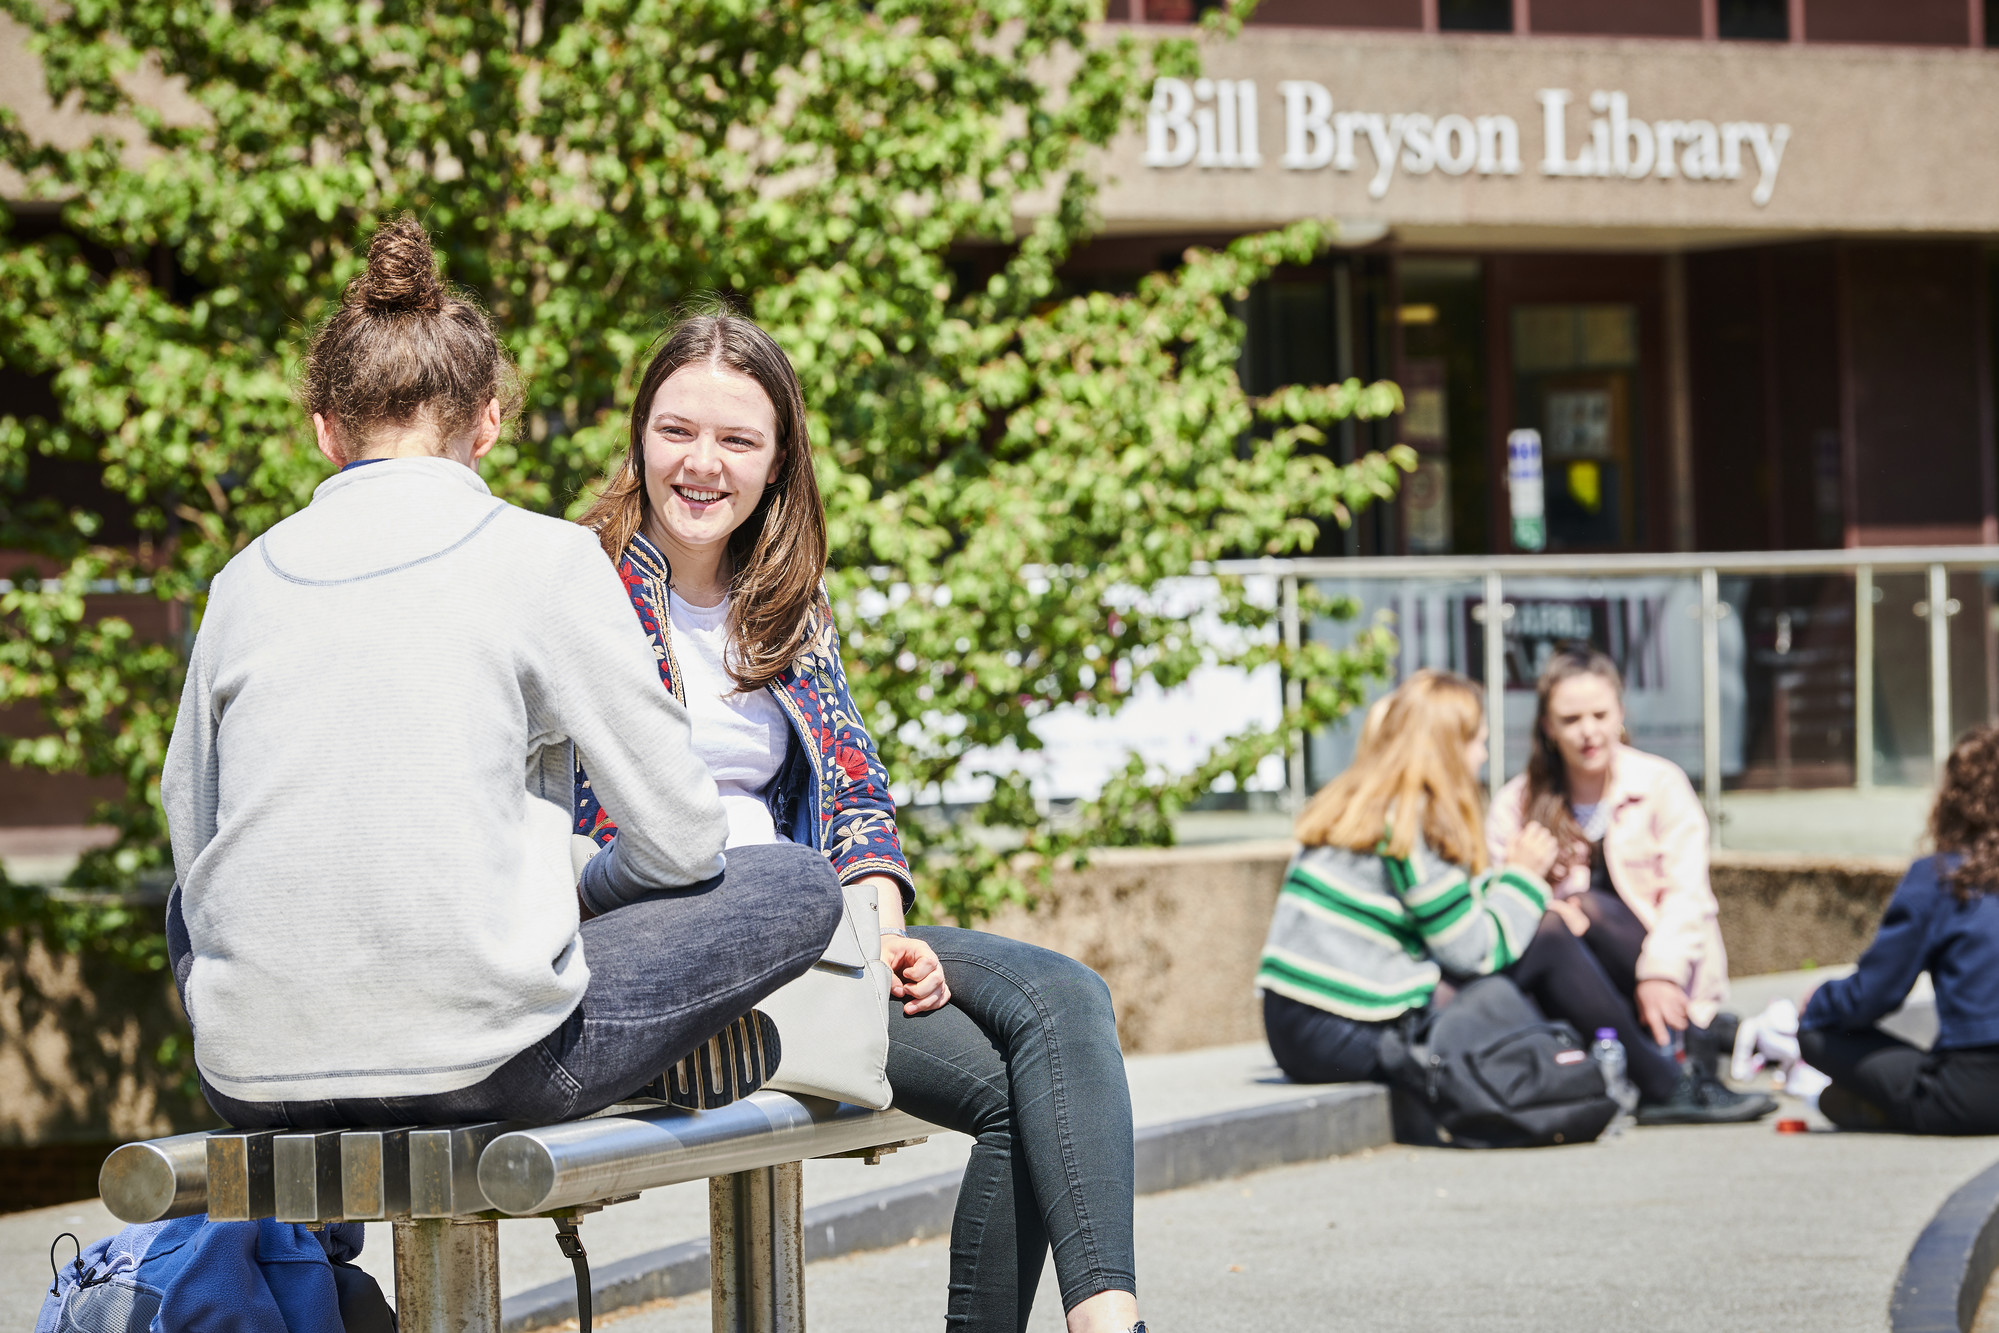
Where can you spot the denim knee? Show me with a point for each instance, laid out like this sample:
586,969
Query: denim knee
1047,973
802,878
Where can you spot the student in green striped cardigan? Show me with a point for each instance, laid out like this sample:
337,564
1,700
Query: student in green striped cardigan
1390,903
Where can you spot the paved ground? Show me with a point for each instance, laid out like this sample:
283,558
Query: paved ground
1164,1088
1661,1231
1664,1229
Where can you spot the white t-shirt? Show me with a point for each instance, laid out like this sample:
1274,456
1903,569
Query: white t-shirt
741,737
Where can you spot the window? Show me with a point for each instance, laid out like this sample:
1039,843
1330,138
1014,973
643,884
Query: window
1475,15
1903,22
1575,380
1753,20
1619,18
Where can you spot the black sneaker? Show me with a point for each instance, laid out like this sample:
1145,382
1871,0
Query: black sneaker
728,1067
1850,1111
1699,1098
1713,1045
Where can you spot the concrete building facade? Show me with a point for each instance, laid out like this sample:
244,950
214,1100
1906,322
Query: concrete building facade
1731,261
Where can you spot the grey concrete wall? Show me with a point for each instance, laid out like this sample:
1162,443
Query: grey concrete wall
1176,931
1781,912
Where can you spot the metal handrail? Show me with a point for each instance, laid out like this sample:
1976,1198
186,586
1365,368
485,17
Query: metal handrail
1880,558
1491,572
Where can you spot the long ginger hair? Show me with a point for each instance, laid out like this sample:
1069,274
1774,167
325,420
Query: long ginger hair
778,555
1965,819
1409,777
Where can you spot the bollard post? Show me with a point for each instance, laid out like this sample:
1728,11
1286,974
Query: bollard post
1294,697
1495,609
756,1250
447,1276
1712,610
1940,609
1863,677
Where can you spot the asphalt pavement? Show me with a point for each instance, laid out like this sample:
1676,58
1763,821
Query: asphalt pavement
1661,1229
1665,1230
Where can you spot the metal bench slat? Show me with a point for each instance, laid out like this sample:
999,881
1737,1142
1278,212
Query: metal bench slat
375,1174
156,1180
240,1187
539,1169
305,1171
444,1168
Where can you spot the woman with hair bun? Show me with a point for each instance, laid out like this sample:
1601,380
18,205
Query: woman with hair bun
1630,876
1944,920
376,915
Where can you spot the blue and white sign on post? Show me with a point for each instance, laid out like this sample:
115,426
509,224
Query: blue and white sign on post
1524,491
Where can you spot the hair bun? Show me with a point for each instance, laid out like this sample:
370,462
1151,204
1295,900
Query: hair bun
402,270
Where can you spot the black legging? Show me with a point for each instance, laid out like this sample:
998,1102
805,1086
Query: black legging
1562,973
1616,936
1569,978
1917,1091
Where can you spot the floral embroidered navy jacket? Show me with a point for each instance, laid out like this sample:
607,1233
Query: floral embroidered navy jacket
832,791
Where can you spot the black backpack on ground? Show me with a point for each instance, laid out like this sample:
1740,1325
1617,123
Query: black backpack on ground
1488,1071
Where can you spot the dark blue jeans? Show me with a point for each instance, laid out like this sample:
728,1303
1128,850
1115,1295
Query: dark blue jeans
1025,1059
666,973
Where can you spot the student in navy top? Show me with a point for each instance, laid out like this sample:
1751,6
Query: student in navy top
1944,920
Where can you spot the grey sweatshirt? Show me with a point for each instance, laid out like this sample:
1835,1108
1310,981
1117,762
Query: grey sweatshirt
369,786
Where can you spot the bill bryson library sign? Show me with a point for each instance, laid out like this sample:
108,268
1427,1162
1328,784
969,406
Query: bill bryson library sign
1556,142
1216,123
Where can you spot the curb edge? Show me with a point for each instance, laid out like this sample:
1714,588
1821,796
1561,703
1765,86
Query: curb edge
1945,1275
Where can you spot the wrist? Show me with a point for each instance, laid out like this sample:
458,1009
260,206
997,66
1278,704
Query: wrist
895,930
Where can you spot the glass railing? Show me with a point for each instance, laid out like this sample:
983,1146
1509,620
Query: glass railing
1809,695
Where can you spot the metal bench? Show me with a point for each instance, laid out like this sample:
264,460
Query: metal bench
445,1188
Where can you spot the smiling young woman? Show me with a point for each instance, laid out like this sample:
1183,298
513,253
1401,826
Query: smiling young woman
715,524
719,479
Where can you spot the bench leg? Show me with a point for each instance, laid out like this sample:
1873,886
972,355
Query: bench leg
447,1276
757,1249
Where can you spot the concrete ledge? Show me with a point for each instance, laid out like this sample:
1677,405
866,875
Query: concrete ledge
1328,1123
1946,1273
1783,911
1340,1119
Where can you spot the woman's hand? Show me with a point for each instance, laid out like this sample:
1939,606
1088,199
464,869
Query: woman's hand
917,976
1572,916
1661,1005
1533,850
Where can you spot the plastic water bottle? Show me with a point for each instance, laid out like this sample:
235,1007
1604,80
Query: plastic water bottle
1608,1052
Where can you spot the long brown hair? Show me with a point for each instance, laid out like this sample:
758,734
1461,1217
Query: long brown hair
778,555
1410,768
1965,819
403,347
1547,798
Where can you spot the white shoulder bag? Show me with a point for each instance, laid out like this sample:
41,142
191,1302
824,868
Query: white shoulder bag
832,1023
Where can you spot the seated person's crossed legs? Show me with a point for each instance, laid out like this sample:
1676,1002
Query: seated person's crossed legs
666,973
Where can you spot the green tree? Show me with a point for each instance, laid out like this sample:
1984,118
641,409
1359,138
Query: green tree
1011,468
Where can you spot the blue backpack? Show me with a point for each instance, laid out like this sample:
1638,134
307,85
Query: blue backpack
217,1277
